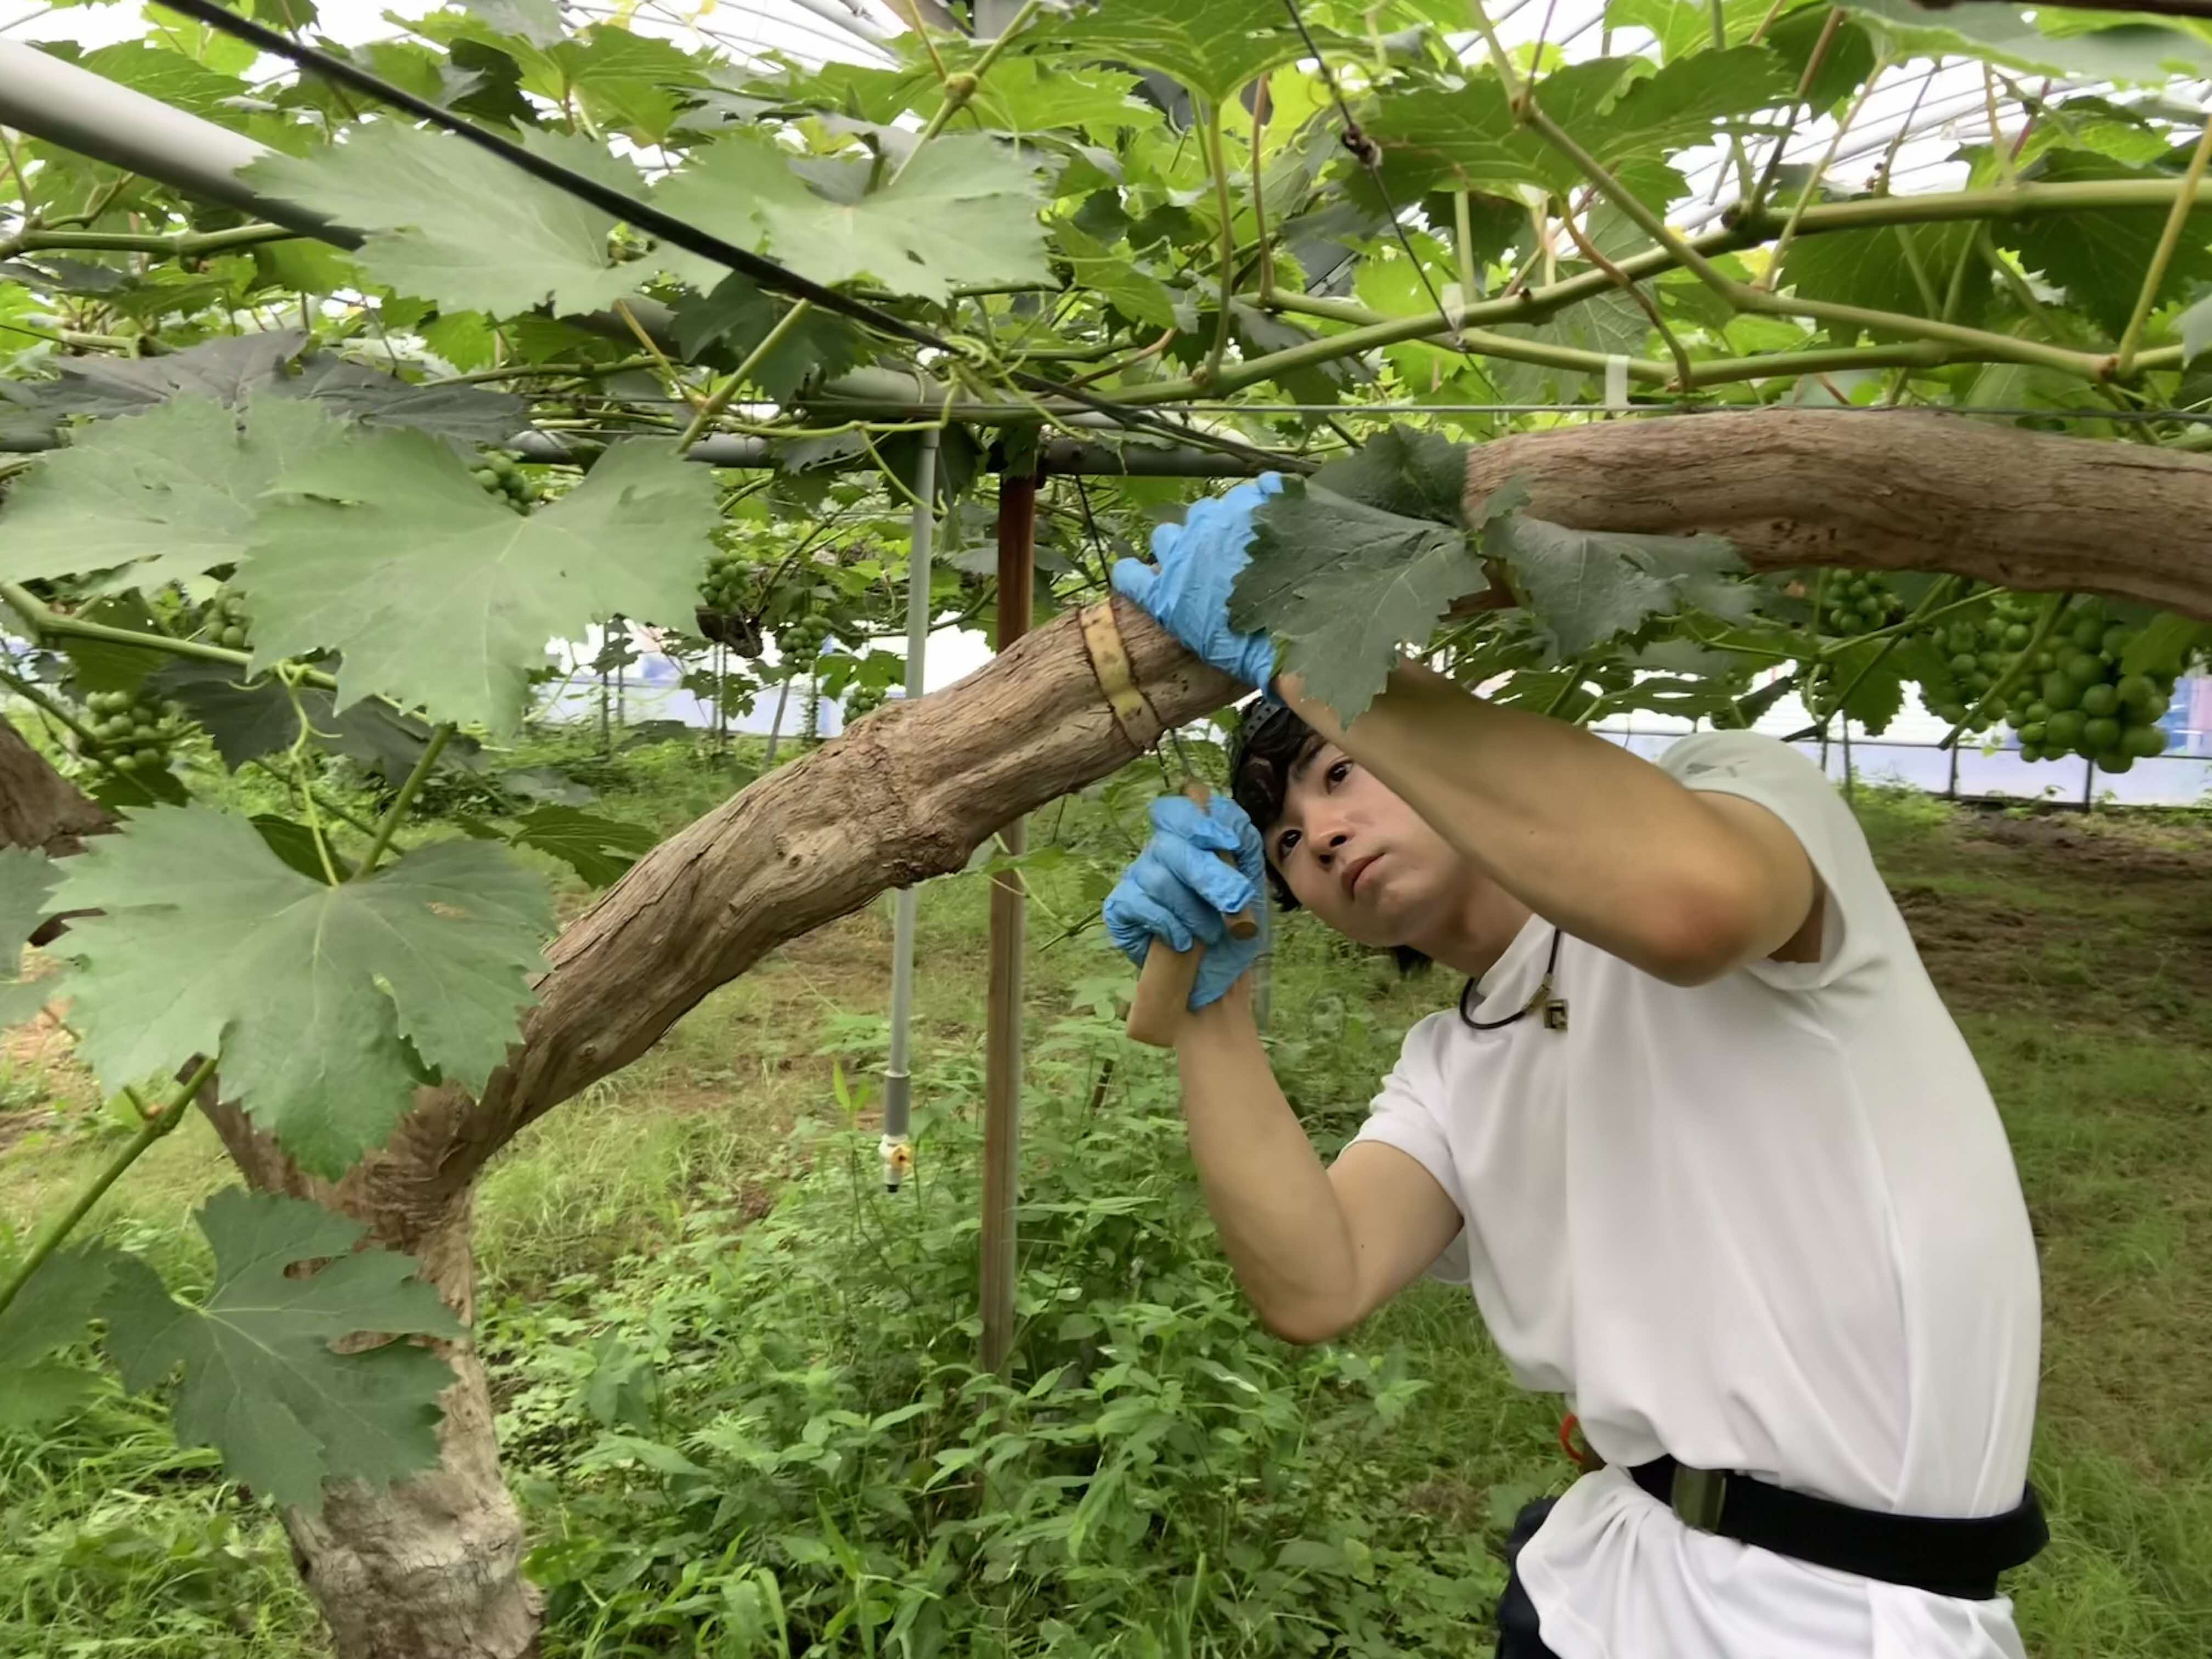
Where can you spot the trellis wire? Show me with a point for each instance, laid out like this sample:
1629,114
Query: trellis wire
645,217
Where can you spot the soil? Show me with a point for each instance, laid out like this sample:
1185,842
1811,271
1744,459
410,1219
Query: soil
2020,914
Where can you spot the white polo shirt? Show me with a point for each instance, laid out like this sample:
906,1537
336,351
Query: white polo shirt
1768,1224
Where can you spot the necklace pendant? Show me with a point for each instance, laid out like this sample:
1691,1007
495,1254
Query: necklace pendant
1555,1013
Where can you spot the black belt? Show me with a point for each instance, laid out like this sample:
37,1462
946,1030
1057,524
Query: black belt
1948,1556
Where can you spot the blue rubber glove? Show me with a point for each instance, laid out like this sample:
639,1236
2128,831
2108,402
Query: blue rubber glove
1199,561
1179,890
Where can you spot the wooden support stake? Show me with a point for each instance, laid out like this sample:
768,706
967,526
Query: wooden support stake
1002,1039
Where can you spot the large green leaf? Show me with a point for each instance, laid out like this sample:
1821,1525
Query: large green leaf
1343,585
2100,257
1212,47
725,323
1027,94
1587,586
394,519
165,495
1415,475
52,1312
964,210
262,1383
326,1002
626,80
26,885
251,716
233,368
456,224
2132,50
1627,120
1883,270
601,850
1116,277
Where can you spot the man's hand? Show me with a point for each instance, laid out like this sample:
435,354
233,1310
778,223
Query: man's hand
1179,890
1199,561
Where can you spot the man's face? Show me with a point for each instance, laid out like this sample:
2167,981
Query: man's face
1359,858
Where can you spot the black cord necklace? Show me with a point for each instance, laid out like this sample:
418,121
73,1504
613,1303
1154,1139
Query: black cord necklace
1553,1008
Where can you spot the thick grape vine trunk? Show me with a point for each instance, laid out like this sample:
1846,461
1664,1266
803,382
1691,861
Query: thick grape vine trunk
39,807
431,1568
1876,490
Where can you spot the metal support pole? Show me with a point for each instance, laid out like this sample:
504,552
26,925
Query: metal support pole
898,1083
1002,1037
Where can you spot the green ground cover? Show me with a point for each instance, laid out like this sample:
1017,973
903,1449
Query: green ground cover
735,1379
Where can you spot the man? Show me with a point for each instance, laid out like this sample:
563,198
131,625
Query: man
1699,1135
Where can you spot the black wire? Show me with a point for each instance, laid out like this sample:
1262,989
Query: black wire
650,219
1543,992
1368,154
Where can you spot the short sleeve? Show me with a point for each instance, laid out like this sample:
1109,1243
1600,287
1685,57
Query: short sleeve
1857,912
1404,1116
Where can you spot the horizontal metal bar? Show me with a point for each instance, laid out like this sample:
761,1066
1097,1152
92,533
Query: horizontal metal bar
55,99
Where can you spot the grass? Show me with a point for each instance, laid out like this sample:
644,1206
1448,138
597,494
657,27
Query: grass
2074,952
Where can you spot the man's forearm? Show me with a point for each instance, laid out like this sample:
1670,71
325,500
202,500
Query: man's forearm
1588,835
1270,1195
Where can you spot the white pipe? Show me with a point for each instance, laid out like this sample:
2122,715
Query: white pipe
898,1083
55,99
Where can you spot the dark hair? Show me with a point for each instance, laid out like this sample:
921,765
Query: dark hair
1271,742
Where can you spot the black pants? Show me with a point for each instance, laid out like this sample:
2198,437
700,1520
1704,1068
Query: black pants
1516,1613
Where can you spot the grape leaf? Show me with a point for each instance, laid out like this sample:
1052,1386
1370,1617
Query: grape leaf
2164,647
1416,475
1116,278
314,994
623,77
262,1383
537,21
396,515
737,315
1341,585
458,224
2135,50
223,369
1472,138
53,1311
601,850
294,844
27,884
1875,269
1877,679
159,496
2195,327
232,369
250,717
468,415
1589,585
963,210
1027,94
1211,46
2100,256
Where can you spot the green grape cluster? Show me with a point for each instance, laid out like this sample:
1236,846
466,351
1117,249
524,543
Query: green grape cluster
228,624
129,733
862,701
801,639
1859,602
501,477
1965,655
725,590
2076,701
